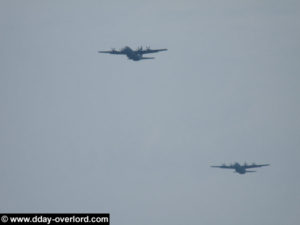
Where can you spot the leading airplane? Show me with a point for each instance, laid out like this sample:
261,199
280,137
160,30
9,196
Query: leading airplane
134,55
241,169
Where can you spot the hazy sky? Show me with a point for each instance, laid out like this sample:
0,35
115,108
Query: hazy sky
88,132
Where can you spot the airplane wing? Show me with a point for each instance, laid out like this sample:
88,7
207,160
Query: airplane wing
148,50
112,52
224,167
255,165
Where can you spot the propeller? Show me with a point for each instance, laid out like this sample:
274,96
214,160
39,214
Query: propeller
245,164
113,49
148,47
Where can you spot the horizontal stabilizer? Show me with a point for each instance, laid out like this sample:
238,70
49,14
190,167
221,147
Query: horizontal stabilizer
147,58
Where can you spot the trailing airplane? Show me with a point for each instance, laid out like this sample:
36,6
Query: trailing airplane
241,169
134,55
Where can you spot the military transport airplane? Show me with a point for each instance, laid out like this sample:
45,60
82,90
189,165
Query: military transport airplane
134,55
241,169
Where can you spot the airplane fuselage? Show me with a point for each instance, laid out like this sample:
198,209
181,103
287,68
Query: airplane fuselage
131,54
240,169
134,55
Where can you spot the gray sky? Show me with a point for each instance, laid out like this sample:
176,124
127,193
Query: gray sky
88,132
